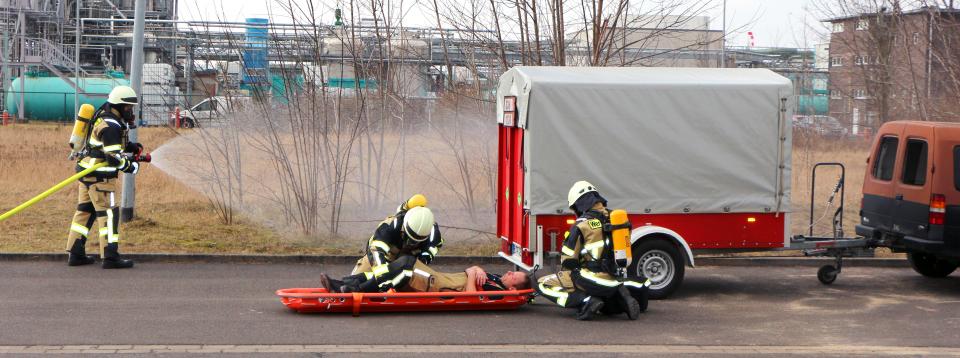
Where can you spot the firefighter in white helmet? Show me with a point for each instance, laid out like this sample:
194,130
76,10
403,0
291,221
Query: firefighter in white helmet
104,141
412,231
588,278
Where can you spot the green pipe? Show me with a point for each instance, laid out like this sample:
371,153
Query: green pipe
52,190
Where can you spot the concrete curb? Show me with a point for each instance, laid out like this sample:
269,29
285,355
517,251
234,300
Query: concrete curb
453,260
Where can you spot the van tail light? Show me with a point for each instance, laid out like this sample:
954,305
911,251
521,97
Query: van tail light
938,209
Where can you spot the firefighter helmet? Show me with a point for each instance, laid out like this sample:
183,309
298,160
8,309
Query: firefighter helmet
577,190
417,223
122,95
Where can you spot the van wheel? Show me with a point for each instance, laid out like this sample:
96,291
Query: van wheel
930,265
662,263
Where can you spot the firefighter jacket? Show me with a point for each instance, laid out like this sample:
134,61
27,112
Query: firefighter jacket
390,241
106,143
587,246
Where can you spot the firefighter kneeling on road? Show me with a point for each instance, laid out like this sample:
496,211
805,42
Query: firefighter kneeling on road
589,278
412,231
105,141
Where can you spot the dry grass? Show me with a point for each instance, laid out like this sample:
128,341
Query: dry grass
171,217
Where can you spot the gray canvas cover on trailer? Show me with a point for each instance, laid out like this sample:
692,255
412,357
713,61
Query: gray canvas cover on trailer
655,140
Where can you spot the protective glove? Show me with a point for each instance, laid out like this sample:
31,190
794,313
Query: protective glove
426,258
135,148
129,166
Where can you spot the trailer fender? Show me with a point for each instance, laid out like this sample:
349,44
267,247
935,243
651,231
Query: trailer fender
646,231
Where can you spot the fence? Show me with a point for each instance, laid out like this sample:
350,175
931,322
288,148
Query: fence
156,110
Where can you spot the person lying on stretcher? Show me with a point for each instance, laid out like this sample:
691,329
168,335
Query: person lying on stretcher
415,276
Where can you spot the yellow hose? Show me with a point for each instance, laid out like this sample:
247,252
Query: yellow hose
52,190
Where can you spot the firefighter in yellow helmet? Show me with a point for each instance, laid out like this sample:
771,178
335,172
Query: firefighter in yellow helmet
105,141
411,231
588,277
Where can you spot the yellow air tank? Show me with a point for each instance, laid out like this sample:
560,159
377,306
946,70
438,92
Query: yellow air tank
621,238
415,201
80,127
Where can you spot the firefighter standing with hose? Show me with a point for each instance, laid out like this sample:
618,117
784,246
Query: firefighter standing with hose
591,278
104,140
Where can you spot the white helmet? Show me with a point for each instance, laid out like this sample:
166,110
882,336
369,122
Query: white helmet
577,190
417,223
122,95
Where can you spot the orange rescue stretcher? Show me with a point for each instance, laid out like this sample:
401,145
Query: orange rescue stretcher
312,300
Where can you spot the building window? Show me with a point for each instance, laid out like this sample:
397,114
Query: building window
837,27
834,94
836,61
862,25
860,93
859,60
915,163
916,38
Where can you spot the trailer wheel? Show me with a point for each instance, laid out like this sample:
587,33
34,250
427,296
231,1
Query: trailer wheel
827,274
662,263
930,265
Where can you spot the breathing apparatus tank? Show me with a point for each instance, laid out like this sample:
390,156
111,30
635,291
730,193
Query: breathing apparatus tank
80,128
621,238
414,201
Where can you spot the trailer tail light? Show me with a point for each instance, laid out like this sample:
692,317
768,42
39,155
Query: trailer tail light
509,111
509,104
938,209
751,220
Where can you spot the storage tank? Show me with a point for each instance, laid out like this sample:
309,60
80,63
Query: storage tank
51,98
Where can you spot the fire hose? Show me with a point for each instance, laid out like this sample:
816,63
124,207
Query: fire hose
136,157
50,191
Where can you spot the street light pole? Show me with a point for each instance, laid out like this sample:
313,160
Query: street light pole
136,81
723,37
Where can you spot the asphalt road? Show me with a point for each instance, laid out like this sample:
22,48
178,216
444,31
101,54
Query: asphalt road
47,303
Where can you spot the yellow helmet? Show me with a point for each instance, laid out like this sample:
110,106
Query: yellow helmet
417,223
577,190
122,95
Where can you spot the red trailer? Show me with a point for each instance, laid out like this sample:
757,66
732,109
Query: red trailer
700,159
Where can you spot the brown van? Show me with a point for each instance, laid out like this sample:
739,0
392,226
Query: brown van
911,194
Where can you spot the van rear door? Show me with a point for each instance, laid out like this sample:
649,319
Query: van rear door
878,184
913,182
947,181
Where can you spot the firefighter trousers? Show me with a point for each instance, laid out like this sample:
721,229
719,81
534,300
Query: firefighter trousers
96,203
399,273
570,289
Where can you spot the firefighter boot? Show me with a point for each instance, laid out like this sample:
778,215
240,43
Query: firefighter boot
589,309
630,305
112,260
78,254
330,284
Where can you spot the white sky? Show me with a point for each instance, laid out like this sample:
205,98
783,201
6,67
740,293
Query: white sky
787,23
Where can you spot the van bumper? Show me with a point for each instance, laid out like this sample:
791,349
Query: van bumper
911,243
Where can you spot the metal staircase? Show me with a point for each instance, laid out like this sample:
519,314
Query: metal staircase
54,58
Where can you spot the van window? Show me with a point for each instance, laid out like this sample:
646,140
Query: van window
885,157
915,162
